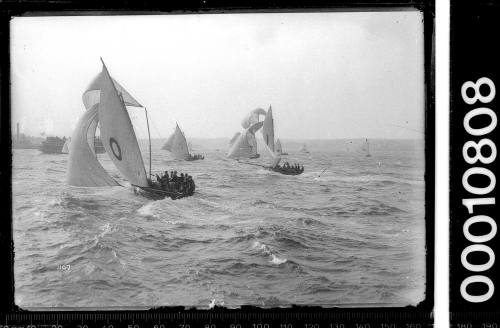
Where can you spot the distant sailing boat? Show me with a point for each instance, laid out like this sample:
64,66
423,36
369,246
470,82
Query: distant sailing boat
105,101
65,148
278,148
178,146
268,136
243,144
366,148
303,149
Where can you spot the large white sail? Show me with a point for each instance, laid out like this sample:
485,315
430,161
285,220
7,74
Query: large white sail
168,144
245,146
179,145
117,133
268,135
252,118
84,169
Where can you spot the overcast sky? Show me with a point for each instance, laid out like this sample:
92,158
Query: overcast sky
327,75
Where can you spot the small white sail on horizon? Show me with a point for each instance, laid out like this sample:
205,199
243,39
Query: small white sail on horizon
366,148
245,145
303,149
278,148
65,148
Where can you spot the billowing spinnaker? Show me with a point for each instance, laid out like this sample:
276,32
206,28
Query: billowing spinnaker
168,144
179,145
84,170
252,117
117,134
245,146
268,130
91,132
277,146
233,139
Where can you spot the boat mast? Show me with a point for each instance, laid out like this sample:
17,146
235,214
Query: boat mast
149,138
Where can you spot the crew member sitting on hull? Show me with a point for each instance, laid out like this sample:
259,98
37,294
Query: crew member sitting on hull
195,157
295,168
183,184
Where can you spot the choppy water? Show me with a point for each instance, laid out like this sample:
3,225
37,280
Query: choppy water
355,235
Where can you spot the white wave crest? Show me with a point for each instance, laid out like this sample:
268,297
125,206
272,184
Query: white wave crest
147,210
267,251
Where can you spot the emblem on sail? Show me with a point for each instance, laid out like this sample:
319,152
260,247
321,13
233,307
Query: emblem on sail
105,101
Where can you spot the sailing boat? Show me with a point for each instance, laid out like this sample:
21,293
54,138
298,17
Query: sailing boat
303,149
366,148
243,144
278,148
268,136
178,146
105,101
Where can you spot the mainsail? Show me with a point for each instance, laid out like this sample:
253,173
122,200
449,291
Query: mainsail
179,145
118,135
268,135
245,146
84,170
252,118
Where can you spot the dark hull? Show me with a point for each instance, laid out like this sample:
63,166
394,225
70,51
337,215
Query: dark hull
156,194
194,159
51,148
285,172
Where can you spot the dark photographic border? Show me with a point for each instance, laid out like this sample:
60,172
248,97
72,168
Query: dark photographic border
474,59
248,316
